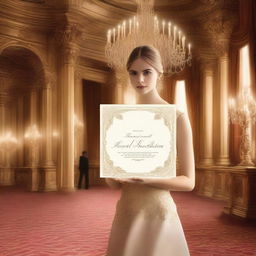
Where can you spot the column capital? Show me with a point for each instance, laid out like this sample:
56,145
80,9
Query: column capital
222,47
220,23
218,27
69,36
71,33
50,80
70,55
207,64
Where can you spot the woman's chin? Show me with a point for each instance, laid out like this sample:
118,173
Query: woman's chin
142,91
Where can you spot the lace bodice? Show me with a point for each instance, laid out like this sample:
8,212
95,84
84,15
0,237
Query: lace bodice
143,199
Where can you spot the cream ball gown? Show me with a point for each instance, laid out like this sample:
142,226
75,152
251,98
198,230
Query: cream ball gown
146,222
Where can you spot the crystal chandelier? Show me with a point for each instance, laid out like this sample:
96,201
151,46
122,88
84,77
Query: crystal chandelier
146,29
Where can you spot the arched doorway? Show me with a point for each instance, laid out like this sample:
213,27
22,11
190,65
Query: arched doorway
22,115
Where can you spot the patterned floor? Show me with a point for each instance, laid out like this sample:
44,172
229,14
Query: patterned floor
78,224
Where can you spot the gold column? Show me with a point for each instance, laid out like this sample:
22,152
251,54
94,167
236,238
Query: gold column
219,31
34,147
80,123
20,131
33,150
207,115
223,156
79,112
67,36
67,63
48,167
7,173
67,118
2,154
2,122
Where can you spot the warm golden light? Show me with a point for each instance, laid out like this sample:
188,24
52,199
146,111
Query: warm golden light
55,134
77,122
146,28
242,110
129,97
33,133
244,66
7,141
180,96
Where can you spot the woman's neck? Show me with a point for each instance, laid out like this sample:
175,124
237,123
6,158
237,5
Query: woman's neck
150,98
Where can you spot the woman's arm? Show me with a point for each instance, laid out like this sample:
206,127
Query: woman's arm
113,183
185,153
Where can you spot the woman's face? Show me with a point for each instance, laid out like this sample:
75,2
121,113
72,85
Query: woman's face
143,76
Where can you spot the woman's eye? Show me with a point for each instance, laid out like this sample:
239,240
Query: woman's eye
147,72
133,73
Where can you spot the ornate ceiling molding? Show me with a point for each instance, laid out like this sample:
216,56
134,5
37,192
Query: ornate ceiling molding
222,47
28,14
93,74
84,23
220,24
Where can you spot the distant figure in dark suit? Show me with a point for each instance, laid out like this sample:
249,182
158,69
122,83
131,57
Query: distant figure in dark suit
84,169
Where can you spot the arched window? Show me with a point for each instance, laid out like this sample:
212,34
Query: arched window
180,96
244,67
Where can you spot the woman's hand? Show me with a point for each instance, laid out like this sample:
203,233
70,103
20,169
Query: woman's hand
130,180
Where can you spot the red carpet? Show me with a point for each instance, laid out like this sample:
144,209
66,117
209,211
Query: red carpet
78,224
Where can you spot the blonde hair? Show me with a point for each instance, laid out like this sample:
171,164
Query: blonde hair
149,54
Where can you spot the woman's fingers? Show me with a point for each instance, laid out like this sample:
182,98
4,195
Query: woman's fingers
137,180
129,180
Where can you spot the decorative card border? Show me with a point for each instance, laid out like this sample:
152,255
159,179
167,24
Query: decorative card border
110,111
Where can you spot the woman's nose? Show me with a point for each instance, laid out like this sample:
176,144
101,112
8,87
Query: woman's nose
141,78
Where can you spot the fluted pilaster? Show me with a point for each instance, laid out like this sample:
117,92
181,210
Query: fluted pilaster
69,53
48,168
33,160
20,130
223,156
80,124
47,119
207,114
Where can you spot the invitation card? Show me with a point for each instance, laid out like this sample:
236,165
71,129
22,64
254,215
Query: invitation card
137,140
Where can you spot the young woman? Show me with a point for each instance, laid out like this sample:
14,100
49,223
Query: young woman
146,222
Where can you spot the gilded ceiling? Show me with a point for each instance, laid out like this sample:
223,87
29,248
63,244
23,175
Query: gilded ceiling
206,23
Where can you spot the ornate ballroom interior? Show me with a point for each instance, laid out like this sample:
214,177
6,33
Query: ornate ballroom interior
54,75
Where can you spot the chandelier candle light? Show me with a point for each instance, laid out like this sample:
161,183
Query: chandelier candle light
242,111
146,29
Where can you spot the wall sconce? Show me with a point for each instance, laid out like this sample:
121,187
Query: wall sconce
242,111
32,136
8,143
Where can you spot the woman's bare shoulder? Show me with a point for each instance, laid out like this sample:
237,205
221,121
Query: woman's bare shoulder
179,112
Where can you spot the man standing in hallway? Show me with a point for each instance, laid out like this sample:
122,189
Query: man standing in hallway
84,170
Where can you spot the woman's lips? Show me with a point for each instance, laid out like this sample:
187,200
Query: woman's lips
141,87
